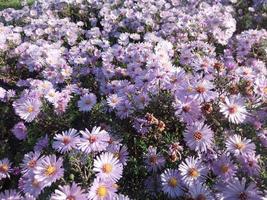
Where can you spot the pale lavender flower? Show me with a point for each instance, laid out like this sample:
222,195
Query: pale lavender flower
192,170
234,109
200,191
119,151
108,167
5,168
10,195
66,141
48,170
30,185
102,190
241,190
69,192
199,137
113,100
154,161
41,143
20,131
29,162
87,102
250,163
224,167
172,183
27,109
236,145
94,141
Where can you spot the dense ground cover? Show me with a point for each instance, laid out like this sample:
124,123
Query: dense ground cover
149,99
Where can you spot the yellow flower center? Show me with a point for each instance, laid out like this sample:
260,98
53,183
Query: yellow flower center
239,146
193,172
4,168
265,90
30,109
173,182
107,168
102,191
224,168
197,135
50,170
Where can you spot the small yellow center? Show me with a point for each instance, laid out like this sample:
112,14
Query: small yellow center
107,168
173,182
239,146
4,168
265,90
102,191
193,172
50,170
224,168
30,109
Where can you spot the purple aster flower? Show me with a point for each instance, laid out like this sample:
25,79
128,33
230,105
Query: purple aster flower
236,145
69,192
121,197
27,109
108,167
250,163
261,87
2,93
41,144
5,168
87,102
171,183
48,170
240,190
224,167
154,161
94,141
199,191
234,109
20,131
30,185
10,195
192,170
199,137
188,110
263,137
119,151
66,141
113,100
202,91
102,190
29,162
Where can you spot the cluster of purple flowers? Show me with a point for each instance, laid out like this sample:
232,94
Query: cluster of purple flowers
119,56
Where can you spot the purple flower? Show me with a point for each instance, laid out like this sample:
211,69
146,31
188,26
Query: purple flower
250,163
102,190
234,109
119,151
27,109
171,183
30,185
66,141
5,168
200,191
20,131
224,167
192,170
29,162
41,144
87,102
94,141
48,169
108,167
154,161
10,195
236,145
69,192
240,190
199,137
